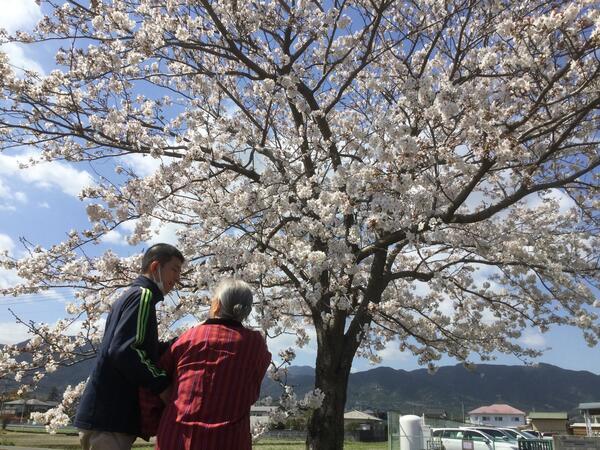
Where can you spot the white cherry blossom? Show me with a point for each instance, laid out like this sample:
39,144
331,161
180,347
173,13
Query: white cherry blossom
418,172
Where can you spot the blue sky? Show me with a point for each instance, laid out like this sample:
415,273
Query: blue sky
41,205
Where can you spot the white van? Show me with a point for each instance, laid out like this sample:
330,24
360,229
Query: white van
519,434
452,439
496,434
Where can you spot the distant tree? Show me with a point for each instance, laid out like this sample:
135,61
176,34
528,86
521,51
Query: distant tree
419,171
298,422
54,395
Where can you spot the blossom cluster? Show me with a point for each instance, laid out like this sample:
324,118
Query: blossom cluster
423,173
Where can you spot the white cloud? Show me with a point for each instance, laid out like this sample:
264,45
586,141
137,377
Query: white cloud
129,226
21,197
12,333
52,294
8,277
564,201
166,233
391,354
142,165
159,232
44,205
7,195
6,243
533,339
4,191
114,237
46,174
19,58
19,15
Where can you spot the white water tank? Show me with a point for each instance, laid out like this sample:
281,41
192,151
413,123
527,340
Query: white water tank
411,433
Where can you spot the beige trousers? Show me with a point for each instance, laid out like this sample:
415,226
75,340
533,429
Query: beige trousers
105,440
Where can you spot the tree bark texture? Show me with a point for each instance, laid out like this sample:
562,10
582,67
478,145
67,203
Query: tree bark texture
326,426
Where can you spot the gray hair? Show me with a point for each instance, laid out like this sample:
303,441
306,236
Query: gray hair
235,297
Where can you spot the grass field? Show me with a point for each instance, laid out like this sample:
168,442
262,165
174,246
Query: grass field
71,442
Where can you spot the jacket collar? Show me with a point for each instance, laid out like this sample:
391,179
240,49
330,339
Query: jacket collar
144,281
225,322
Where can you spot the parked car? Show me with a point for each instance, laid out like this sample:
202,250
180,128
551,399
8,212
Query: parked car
496,433
452,439
537,434
519,434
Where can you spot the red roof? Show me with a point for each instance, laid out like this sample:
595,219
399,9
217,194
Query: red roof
497,409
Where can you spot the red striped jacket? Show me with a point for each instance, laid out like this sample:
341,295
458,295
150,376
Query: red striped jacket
217,369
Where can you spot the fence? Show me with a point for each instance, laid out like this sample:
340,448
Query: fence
524,444
535,444
393,422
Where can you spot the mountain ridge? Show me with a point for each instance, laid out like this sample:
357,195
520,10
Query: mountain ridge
455,389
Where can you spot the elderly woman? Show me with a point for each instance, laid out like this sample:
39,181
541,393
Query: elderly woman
217,369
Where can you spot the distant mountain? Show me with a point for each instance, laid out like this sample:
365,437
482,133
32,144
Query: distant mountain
55,381
453,388
543,388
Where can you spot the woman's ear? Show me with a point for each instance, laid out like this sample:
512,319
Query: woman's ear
215,308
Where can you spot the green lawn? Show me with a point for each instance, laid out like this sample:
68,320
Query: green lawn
71,442
60,440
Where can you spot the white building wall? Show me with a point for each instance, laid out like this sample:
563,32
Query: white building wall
498,420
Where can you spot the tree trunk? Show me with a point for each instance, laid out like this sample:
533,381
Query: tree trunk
326,426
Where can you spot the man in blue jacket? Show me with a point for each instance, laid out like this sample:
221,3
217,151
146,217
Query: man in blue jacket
108,415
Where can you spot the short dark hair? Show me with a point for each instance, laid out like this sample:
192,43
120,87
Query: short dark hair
163,253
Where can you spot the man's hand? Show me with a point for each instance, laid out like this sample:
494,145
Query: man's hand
166,395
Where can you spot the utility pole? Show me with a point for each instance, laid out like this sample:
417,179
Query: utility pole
2,396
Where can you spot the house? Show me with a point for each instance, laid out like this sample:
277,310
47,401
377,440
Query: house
498,415
580,429
23,408
367,421
549,422
364,427
591,413
260,414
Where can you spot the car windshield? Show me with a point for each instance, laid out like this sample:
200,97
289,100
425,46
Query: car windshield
476,435
529,435
512,433
496,434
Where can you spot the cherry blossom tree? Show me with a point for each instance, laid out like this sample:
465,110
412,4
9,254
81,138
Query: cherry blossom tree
416,172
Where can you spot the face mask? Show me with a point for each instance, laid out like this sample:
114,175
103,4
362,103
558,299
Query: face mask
159,282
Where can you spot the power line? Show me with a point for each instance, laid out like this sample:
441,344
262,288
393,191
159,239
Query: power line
33,300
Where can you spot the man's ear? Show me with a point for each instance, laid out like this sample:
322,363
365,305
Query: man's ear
154,265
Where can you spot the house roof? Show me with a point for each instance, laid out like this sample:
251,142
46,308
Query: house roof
359,415
497,409
595,405
433,413
32,402
261,408
548,415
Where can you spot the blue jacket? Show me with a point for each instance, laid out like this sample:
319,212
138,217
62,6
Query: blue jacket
126,361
